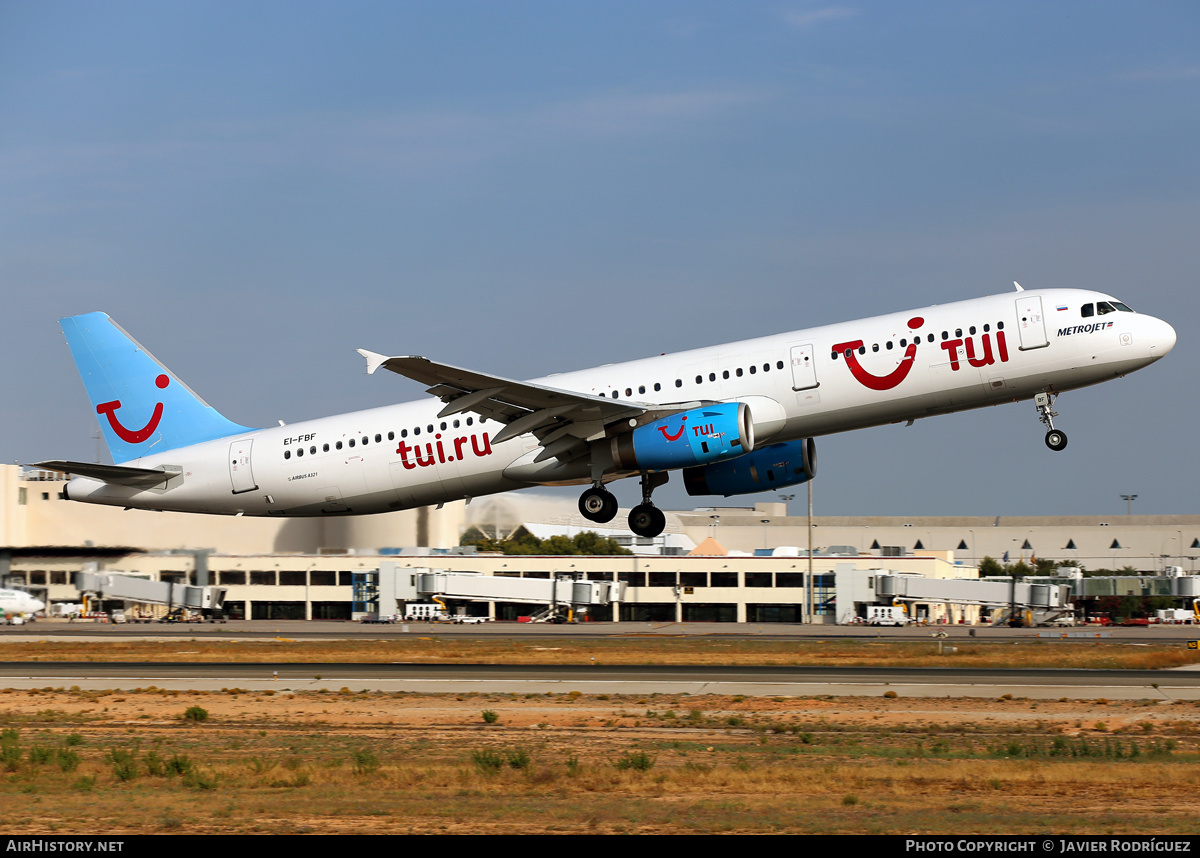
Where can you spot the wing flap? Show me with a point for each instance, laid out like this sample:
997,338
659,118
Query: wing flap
505,400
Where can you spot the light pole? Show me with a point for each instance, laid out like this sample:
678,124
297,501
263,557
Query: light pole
808,591
1129,499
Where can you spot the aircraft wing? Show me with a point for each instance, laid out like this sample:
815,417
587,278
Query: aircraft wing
120,475
561,419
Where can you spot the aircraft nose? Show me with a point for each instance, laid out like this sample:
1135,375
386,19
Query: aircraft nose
1162,338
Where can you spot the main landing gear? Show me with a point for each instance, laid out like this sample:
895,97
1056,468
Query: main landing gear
646,519
598,504
1056,439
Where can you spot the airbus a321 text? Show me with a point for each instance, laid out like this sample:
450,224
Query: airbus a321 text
735,419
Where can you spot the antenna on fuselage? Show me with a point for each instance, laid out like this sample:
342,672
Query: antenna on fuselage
1020,288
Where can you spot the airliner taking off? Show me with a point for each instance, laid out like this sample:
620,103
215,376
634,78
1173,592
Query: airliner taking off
735,419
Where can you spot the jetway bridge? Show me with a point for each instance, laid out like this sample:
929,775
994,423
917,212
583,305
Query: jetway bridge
96,585
1045,601
559,593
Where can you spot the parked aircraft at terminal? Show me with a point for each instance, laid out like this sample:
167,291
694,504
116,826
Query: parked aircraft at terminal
735,419
19,602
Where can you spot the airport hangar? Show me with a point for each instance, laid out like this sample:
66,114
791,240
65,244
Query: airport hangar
726,564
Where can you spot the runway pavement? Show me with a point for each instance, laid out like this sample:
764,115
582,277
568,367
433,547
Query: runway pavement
637,680
598,679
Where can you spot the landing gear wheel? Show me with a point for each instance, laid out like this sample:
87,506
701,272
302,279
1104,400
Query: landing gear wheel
598,505
647,520
1056,439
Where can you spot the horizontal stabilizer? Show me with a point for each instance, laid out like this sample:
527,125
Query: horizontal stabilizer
117,475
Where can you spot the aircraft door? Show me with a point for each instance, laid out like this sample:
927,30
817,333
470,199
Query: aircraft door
240,472
1032,323
804,368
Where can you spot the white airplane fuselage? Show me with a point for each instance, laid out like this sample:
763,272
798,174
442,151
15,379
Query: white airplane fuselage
19,602
834,378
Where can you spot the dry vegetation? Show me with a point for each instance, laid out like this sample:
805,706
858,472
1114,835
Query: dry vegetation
161,761
151,760
430,648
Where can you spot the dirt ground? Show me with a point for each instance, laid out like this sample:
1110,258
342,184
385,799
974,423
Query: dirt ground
309,762
351,711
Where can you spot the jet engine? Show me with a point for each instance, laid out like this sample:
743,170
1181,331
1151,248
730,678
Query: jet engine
695,437
773,467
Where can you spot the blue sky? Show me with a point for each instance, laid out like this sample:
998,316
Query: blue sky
255,189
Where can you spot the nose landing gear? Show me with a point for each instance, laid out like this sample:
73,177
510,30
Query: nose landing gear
1056,439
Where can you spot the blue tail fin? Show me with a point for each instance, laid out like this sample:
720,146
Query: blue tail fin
142,406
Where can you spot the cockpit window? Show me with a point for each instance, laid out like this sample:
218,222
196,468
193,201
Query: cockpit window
1121,307
1087,310
1103,308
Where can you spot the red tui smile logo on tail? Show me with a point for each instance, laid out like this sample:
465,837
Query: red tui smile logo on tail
134,436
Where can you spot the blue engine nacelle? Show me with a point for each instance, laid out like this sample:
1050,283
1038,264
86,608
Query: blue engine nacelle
773,467
695,437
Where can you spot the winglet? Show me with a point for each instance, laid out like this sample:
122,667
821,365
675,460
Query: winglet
374,360
1020,288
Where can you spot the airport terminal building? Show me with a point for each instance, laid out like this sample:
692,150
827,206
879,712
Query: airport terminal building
718,565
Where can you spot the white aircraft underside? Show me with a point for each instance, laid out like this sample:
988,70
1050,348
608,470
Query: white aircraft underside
484,434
